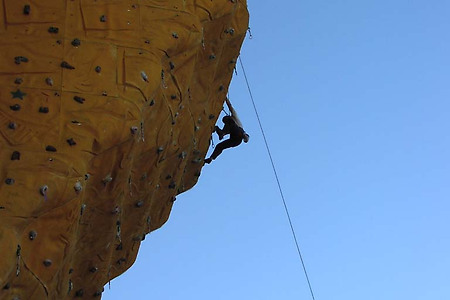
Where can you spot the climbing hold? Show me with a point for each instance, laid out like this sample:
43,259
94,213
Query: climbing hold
79,293
152,102
50,148
119,247
212,56
221,88
76,42
52,29
15,155
26,9
173,97
12,125
66,65
102,18
173,199
133,129
211,116
168,177
147,41
71,142
97,294
7,286
83,207
47,262
172,185
18,80
77,187
18,94
139,203
15,107
70,271
87,176
144,76
98,69
49,81
20,59
32,235
10,181
79,99
160,149
107,179
43,109
70,285
174,35
182,155
93,269
116,210
104,93
172,66
43,190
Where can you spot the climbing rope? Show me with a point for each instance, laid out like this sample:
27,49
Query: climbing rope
278,181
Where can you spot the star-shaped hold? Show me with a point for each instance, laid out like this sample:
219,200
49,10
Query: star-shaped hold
18,94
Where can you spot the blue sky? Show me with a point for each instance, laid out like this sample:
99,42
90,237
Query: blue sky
354,100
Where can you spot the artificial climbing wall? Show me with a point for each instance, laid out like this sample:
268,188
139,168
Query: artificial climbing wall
106,111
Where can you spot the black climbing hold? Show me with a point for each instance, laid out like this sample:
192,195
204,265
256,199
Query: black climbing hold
47,262
15,155
78,99
119,247
15,107
97,294
7,286
172,66
43,109
53,29
70,271
43,190
133,129
160,149
152,102
212,56
79,293
32,235
172,185
102,18
20,59
211,116
50,148
118,223
87,176
71,142
83,207
26,9
147,41
66,65
168,177
76,42
174,35
93,269
98,69
139,203
18,94
173,97
221,88
75,122
10,181
18,80
59,42
12,125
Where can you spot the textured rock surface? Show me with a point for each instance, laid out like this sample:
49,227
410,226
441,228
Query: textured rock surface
106,112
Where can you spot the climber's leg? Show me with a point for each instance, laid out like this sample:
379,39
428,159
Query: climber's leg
232,142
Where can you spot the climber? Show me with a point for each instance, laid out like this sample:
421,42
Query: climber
233,127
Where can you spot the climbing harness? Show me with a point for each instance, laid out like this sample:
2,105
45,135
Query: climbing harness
277,179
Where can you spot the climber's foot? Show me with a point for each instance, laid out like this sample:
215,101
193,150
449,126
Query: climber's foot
208,160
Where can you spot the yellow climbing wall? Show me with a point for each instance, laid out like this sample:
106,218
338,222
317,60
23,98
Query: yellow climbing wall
107,107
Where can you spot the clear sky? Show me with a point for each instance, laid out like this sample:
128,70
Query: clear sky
354,97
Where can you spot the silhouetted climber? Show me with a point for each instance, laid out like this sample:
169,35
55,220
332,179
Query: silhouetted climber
233,127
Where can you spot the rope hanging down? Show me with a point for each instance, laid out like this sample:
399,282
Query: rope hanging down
278,181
